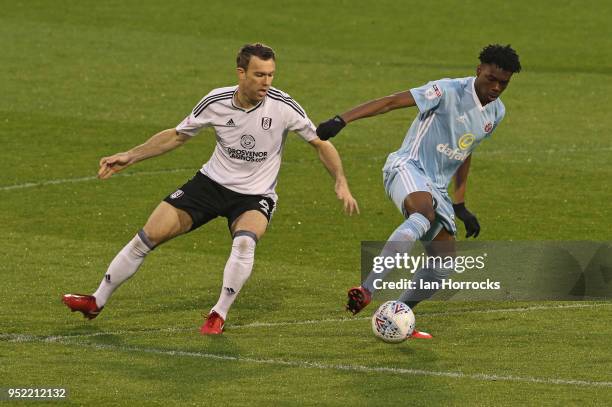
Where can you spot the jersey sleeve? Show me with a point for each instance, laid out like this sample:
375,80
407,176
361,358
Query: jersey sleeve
298,121
429,96
199,118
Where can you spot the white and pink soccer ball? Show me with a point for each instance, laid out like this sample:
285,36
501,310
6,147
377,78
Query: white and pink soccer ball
393,322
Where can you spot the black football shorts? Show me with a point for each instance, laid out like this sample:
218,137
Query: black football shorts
204,199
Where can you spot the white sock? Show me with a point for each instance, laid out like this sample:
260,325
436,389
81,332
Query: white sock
123,266
400,241
237,270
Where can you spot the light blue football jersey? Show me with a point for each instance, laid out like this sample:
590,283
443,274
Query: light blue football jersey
451,123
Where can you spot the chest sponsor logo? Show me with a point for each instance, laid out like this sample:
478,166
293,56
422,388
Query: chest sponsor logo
247,141
466,141
455,154
488,127
266,123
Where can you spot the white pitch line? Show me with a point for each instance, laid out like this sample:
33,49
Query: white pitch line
56,338
424,314
66,340
353,368
90,178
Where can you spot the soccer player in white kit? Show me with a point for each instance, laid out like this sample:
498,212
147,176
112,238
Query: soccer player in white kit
456,115
251,121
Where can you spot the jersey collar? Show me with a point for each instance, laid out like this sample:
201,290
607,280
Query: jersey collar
475,96
244,110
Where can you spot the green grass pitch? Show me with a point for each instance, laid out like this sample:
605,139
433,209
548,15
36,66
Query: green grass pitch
83,79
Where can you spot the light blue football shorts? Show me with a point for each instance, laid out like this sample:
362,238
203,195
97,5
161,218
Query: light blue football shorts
402,181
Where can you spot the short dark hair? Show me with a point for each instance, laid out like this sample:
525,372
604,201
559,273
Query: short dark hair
259,50
503,56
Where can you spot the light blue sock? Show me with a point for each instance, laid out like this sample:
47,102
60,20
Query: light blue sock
401,241
422,277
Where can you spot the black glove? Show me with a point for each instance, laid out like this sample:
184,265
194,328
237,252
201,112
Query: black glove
330,128
472,227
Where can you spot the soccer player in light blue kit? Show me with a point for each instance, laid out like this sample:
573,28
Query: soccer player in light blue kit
456,115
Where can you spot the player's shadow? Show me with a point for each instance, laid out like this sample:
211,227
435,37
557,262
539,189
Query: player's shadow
163,341
424,355
186,304
73,324
186,372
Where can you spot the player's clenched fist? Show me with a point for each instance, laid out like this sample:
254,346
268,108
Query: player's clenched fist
330,128
113,164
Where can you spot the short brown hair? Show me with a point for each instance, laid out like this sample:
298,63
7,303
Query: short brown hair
259,50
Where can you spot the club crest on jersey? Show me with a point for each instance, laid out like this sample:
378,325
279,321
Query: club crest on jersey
247,141
266,123
179,193
488,127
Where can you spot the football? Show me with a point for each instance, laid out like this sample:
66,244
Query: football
393,322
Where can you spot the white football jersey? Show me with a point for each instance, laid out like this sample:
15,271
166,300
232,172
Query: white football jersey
250,142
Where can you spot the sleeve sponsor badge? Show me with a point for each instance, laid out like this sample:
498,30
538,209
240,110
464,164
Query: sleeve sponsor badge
433,92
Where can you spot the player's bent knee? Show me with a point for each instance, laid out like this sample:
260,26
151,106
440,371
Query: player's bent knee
166,222
420,202
429,213
178,218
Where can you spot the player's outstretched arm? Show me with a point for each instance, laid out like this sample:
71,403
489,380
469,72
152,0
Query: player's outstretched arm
331,160
160,143
472,227
331,127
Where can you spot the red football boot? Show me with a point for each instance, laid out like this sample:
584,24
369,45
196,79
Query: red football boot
82,303
213,324
358,299
420,335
